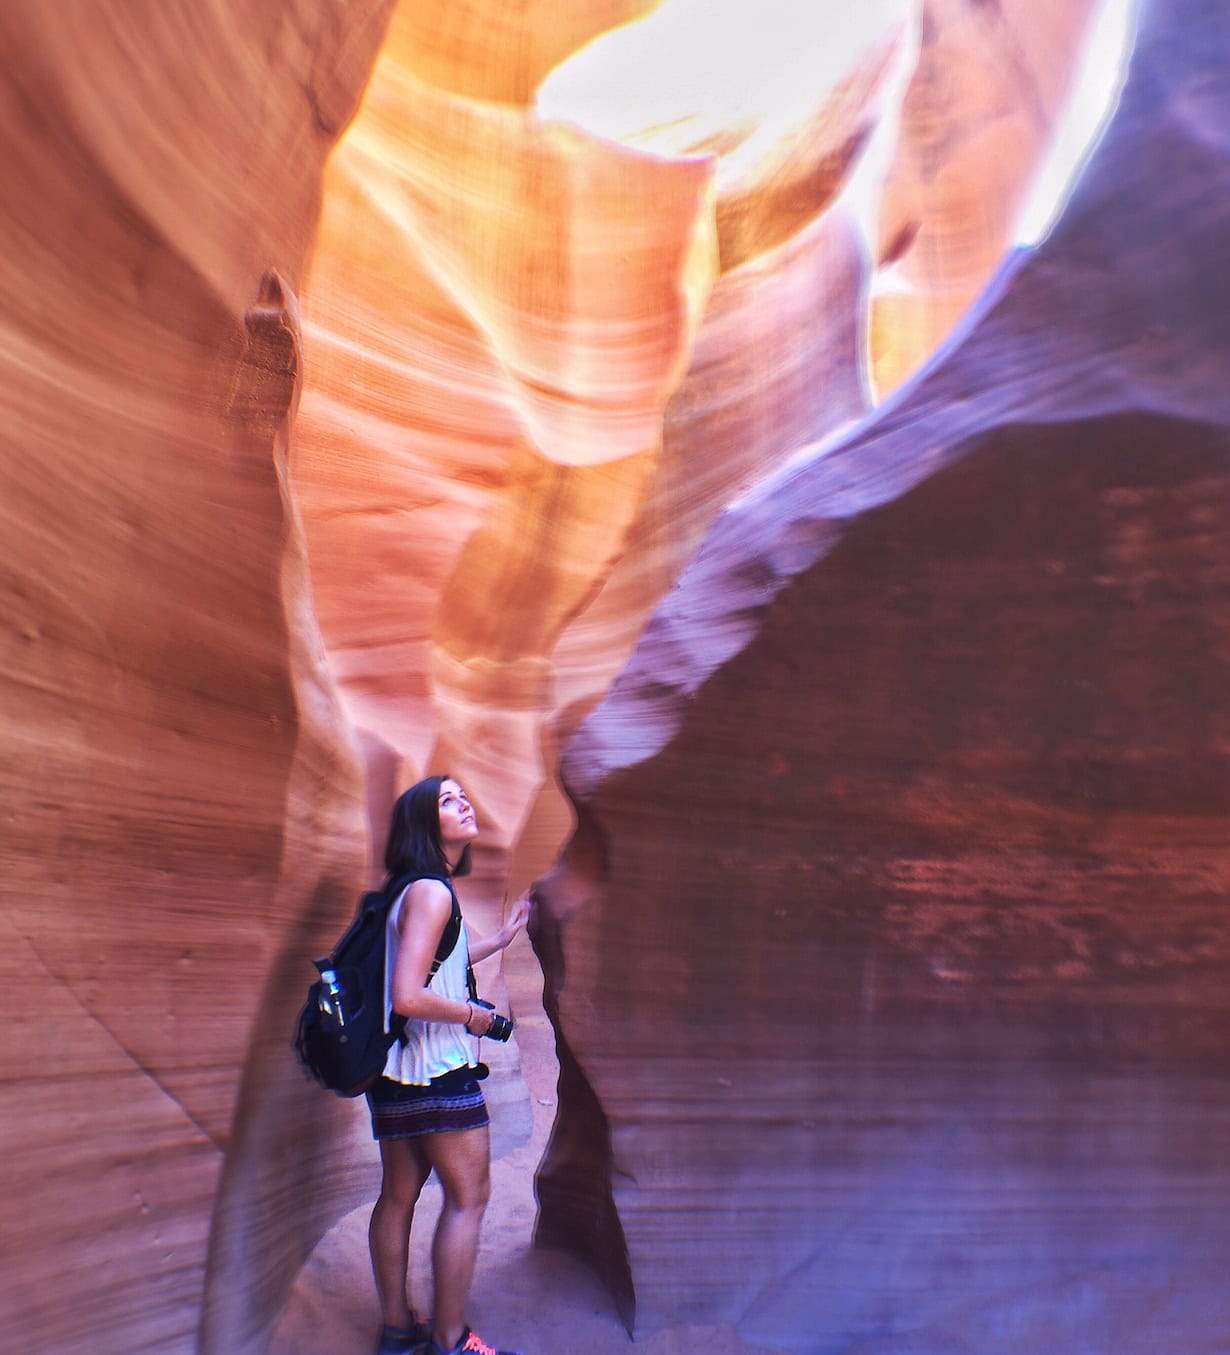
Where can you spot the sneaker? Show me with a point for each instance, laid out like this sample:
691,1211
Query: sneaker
470,1344
412,1340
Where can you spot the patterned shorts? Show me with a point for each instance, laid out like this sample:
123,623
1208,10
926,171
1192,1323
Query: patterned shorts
451,1101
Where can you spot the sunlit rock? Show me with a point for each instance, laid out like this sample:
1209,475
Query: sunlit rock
986,102
341,451
908,1011
173,744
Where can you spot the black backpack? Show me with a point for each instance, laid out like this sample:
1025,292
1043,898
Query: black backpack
340,1038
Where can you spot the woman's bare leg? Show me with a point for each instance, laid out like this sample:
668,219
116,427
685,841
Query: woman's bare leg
462,1159
406,1168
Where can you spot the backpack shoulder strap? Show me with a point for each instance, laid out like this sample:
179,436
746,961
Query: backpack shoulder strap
449,936
452,928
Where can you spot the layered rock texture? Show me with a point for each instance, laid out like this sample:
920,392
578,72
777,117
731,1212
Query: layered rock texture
178,787
909,1011
823,600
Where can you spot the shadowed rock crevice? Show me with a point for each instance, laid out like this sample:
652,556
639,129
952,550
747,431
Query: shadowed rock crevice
576,1206
577,1210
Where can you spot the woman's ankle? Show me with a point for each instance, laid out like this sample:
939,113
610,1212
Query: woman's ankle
397,1335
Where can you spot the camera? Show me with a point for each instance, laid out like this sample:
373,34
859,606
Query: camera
501,1026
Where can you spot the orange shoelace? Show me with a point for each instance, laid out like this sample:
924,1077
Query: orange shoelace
477,1346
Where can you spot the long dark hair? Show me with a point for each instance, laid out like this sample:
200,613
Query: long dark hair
414,833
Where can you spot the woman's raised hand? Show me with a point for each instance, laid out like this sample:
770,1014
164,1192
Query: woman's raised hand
518,916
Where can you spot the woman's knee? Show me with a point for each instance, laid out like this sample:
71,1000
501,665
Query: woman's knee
468,1194
463,1164
400,1194
404,1174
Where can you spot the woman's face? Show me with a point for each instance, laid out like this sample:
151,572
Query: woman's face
457,822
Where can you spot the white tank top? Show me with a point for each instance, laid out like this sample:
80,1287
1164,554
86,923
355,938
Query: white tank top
430,1047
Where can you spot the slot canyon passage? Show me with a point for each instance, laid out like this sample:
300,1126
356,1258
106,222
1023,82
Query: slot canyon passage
683,424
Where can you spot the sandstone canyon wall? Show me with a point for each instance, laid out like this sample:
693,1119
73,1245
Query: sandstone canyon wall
913,1004
888,956
183,805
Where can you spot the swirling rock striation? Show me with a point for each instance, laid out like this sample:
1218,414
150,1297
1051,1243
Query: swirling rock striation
891,948
334,452
172,735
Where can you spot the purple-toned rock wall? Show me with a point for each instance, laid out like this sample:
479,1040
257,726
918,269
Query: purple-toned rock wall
891,953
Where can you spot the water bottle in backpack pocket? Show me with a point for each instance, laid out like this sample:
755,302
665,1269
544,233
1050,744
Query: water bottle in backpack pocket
340,1037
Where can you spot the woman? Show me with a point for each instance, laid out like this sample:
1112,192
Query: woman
428,1110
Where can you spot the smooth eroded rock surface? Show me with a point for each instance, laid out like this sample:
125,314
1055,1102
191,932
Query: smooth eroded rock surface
173,747
369,411
907,1011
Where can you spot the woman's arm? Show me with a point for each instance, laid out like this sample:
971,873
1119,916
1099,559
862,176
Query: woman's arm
424,915
481,947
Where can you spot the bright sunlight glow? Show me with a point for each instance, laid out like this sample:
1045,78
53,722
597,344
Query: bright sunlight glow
725,77
1099,80
735,78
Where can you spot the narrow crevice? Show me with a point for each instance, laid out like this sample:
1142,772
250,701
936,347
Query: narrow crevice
576,1202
